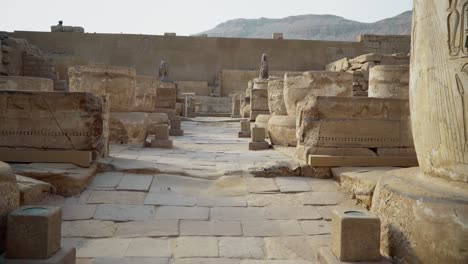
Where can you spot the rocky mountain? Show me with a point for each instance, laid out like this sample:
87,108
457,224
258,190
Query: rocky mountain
314,27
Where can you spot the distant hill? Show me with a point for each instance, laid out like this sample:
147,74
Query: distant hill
313,27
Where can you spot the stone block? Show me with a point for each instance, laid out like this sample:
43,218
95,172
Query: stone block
10,198
389,81
282,130
32,191
159,143
145,93
33,232
259,100
80,158
176,122
326,256
258,145
166,95
128,128
358,161
23,83
52,120
244,134
176,132
117,82
65,255
355,236
160,132
276,103
258,134
245,125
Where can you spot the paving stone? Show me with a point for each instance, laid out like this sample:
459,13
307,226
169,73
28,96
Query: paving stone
130,261
150,228
178,212
315,227
283,199
283,248
292,213
106,180
293,184
179,184
82,198
117,197
149,247
135,182
228,186
324,198
236,213
317,242
241,247
106,247
271,228
210,228
78,212
122,213
275,262
206,261
261,185
169,198
88,228
85,261
222,201
329,185
185,247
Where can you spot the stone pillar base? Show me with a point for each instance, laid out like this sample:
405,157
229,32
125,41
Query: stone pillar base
160,143
244,134
258,145
176,132
326,256
255,113
423,218
63,256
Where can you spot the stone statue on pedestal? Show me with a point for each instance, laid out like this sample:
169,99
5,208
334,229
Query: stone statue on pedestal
264,67
164,71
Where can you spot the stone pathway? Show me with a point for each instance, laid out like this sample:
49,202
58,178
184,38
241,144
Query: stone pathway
197,203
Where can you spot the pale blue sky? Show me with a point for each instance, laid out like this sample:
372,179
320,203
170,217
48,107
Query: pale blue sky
181,16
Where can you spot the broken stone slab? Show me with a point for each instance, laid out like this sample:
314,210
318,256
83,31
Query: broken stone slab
31,190
52,121
117,82
10,198
23,83
67,179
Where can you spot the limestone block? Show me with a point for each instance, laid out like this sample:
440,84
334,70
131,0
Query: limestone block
258,145
389,81
276,103
145,93
161,143
355,236
372,57
52,120
159,118
262,121
258,134
282,130
303,87
33,232
259,100
117,82
23,83
167,111
260,84
10,198
161,132
245,125
166,95
65,255
356,122
176,122
32,190
438,93
128,128
422,217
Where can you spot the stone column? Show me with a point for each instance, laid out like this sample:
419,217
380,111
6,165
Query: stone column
389,81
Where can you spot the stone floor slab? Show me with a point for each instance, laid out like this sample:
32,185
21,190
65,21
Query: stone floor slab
210,228
261,185
130,261
78,212
107,247
122,213
169,198
222,201
178,212
283,199
135,182
116,197
106,180
276,262
292,213
190,247
88,229
241,247
312,228
293,184
149,247
283,248
271,228
150,228
328,185
236,213
206,261
324,198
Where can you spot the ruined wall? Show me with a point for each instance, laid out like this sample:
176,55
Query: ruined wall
199,87
200,58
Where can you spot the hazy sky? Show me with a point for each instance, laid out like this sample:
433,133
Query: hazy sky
184,17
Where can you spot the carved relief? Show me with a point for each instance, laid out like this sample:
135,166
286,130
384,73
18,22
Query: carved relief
462,81
453,23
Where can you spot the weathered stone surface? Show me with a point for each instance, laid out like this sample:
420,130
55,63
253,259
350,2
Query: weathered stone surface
302,87
52,120
106,180
150,228
355,236
166,95
169,198
326,256
422,217
261,185
207,261
64,255
106,247
210,228
276,103
258,103
258,145
121,197
10,198
235,213
122,213
324,198
263,200
355,122
149,247
33,232
303,152
88,228
439,107
135,182
117,82
271,228
293,184
72,212
262,121
129,260
185,247
145,93
177,212
222,201
31,190
282,130
313,228
67,179
240,247
23,83
389,81
292,213
275,262
283,248
396,152
128,128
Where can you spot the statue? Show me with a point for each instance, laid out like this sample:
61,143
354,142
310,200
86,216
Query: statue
264,67
164,71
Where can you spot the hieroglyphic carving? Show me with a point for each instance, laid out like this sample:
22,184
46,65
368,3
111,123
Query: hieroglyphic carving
453,23
164,71
462,81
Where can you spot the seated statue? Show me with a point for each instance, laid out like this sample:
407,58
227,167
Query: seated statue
164,71
264,67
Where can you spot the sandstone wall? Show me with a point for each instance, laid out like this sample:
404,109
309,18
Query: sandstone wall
22,83
199,87
145,93
213,105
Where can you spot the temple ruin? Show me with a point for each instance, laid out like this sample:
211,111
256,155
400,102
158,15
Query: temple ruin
119,148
